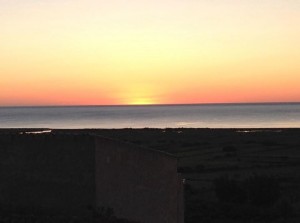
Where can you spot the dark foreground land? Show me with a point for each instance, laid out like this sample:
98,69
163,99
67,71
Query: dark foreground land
231,175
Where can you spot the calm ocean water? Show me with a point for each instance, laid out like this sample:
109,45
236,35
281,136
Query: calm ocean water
158,116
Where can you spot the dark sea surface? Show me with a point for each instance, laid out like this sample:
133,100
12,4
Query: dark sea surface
281,115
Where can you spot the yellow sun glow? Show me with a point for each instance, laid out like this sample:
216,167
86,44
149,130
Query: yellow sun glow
139,94
141,101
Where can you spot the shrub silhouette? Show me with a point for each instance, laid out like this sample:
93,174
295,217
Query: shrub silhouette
229,190
256,190
103,215
262,190
229,149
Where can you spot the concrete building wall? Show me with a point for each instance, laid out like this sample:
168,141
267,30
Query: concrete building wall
46,173
139,184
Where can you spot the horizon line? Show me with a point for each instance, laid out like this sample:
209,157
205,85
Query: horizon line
163,104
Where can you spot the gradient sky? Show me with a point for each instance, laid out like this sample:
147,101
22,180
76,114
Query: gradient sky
64,52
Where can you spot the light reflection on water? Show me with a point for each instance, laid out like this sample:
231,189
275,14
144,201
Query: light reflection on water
36,132
176,116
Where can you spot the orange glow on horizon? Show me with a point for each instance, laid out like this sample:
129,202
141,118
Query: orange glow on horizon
98,52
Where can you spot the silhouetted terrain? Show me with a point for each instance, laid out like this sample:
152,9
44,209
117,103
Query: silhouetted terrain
231,175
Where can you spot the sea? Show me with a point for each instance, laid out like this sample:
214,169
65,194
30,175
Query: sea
270,115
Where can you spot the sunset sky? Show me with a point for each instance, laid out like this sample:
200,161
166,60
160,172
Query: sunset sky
102,52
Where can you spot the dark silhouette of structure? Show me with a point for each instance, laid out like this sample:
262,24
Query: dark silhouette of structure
74,174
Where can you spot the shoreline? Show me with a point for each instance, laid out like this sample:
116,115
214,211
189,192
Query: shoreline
145,128
135,130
